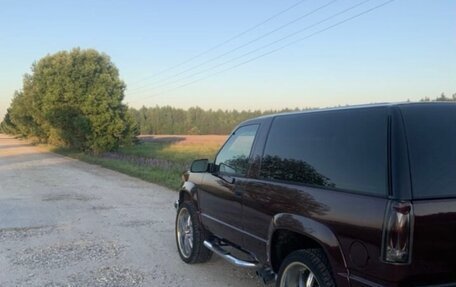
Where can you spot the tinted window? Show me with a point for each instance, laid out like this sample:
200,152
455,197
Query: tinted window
233,158
344,149
431,133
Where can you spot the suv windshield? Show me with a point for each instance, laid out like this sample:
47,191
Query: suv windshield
431,132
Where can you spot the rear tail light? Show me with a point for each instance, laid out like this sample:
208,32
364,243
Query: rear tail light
398,233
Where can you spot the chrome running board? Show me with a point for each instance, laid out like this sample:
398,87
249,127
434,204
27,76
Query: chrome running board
230,258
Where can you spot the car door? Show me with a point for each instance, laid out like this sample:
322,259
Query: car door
219,194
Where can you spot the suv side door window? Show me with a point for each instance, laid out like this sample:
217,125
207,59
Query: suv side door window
233,158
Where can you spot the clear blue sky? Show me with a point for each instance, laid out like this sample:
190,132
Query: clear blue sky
405,50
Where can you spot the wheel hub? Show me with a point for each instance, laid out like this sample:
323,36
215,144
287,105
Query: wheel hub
298,275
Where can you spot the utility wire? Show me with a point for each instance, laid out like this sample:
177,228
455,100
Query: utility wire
242,45
277,49
260,48
224,42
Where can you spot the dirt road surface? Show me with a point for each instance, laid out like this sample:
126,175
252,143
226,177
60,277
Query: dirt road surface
68,223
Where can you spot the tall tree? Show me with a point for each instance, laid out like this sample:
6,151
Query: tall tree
74,98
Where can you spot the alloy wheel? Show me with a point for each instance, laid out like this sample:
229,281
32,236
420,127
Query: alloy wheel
185,232
298,274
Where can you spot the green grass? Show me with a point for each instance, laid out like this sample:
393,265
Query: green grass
169,178
179,154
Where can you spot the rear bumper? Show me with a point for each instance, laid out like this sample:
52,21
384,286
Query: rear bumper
356,281
452,284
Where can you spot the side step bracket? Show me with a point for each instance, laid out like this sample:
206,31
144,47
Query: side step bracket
230,258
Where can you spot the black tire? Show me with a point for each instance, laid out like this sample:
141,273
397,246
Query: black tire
315,260
199,253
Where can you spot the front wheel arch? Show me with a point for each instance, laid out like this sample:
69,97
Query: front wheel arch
188,192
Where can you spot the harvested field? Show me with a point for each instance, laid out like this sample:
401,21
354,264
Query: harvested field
185,139
177,148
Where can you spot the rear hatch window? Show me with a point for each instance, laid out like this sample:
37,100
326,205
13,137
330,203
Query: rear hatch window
431,134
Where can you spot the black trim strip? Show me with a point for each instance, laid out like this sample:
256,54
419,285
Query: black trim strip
233,227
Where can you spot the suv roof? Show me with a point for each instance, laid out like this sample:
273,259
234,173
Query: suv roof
349,107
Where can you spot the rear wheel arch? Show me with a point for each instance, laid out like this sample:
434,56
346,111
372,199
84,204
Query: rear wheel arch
284,242
302,233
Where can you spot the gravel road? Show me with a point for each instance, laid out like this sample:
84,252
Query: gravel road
68,223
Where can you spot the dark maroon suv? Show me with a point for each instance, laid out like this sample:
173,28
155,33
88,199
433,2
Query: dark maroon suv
358,196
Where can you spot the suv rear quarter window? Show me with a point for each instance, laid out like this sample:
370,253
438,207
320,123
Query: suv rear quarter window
344,149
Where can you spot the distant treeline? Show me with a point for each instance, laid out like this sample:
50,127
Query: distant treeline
195,120
441,98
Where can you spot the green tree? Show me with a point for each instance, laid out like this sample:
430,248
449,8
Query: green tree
7,125
20,114
74,98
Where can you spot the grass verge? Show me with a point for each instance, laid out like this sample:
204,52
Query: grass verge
170,178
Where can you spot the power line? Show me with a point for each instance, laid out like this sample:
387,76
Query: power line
279,48
224,42
242,45
262,47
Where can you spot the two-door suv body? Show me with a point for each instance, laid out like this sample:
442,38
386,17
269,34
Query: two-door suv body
355,196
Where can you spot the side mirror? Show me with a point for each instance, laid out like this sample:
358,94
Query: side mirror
199,165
